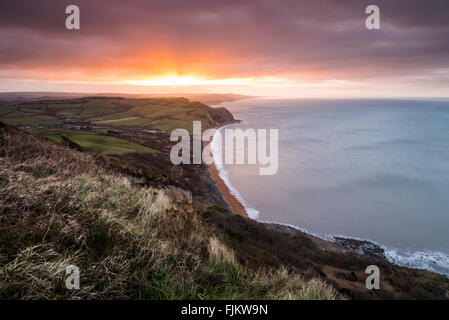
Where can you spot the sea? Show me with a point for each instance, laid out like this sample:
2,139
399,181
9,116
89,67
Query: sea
375,170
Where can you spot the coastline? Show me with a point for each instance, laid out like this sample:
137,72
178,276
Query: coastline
422,260
341,244
234,204
259,244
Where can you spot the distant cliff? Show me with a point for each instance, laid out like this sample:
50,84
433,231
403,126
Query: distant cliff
219,116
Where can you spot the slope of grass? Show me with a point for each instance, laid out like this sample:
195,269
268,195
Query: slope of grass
61,207
131,122
157,113
6,109
96,143
24,120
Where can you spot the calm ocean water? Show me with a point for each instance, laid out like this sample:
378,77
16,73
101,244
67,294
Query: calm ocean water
369,169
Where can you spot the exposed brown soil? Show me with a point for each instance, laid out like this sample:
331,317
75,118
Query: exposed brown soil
232,202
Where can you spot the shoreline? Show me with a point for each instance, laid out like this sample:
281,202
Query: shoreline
337,243
234,204
433,261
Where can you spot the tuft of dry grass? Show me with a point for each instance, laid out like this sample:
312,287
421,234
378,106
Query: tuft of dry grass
59,207
220,253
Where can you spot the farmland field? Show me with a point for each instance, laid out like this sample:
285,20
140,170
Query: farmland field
95,143
154,113
108,125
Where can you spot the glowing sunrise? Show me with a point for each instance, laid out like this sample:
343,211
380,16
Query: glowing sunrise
244,152
320,49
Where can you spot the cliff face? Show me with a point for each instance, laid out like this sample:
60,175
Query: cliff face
219,117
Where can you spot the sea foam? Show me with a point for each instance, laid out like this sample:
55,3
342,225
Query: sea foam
368,168
224,175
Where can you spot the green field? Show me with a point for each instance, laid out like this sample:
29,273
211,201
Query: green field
55,118
155,113
6,109
131,122
95,143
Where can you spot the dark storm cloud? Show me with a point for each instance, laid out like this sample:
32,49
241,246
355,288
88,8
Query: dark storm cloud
301,39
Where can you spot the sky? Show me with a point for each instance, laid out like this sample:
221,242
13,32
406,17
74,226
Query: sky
285,48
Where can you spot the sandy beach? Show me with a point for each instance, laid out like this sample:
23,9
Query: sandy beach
232,202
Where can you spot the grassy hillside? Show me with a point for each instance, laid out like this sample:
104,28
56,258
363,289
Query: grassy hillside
95,143
207,98
98,190
86,121
130,241
156,113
